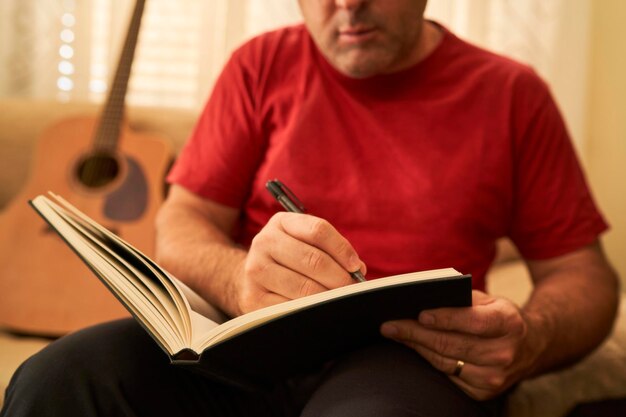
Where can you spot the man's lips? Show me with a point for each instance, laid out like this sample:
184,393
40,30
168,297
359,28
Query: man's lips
356,34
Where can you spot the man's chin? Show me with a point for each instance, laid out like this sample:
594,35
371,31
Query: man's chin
361,62
358,68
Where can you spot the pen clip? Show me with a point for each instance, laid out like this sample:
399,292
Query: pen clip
285,196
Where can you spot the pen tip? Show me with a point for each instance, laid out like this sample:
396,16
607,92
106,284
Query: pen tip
358,276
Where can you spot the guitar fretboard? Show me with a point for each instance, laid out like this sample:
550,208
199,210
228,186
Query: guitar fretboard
108,131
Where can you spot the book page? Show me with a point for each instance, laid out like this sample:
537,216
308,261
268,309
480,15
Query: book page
112,272
199,304
204,317
186,300
133,256
143,293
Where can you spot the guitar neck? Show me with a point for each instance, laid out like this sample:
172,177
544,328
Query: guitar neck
108,131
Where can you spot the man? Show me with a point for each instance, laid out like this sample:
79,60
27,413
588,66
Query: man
414,150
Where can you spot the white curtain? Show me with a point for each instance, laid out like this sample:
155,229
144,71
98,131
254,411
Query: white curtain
550,35
184,43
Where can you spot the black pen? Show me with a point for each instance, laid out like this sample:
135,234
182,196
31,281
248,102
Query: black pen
291,203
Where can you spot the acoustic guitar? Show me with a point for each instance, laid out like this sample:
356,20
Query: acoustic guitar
111,173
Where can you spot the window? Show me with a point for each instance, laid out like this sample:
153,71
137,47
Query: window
68,49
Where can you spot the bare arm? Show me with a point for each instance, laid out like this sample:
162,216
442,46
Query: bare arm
193,243
570,312
294,255
572,306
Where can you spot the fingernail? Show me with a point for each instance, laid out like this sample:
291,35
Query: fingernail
427,319
355,263
389,330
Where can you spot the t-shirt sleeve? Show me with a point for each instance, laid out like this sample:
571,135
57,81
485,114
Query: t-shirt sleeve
554,211
220,158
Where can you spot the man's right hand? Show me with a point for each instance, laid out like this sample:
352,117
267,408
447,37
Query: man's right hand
293,256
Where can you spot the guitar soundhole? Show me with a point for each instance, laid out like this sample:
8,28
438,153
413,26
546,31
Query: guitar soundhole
98,170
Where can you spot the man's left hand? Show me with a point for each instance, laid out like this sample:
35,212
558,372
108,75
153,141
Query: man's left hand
489,342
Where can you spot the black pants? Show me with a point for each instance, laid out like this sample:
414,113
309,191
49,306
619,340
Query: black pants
115,369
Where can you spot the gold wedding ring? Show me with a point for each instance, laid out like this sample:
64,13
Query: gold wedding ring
459,367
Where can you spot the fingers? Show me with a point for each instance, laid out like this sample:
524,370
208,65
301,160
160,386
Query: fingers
470,348
289,284
490,339
308,246
293,256
485,368
480,382
488,317
320,234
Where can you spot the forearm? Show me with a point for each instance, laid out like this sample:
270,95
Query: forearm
570,312
292,256
200,254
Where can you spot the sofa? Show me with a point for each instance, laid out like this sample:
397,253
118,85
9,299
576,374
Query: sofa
597,381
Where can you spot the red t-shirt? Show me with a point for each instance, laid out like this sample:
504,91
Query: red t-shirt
420,169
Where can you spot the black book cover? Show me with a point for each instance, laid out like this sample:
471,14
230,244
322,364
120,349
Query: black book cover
306,339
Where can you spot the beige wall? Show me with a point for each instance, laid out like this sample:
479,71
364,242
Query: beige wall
606,139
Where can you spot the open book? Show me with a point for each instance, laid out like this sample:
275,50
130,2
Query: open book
262,346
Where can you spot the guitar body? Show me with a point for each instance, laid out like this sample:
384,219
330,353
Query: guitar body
44,287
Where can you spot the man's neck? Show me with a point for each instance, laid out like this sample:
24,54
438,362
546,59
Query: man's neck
430,38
